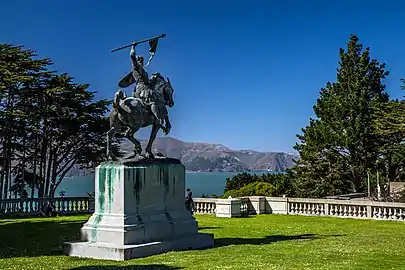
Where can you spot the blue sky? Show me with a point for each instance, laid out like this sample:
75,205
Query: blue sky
246,73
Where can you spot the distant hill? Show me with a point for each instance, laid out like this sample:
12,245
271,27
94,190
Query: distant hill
217,157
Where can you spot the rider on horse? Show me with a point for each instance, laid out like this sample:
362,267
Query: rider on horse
143,87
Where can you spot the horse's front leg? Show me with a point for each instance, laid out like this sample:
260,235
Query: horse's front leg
168,126
153,133
130,136
165,116
110,135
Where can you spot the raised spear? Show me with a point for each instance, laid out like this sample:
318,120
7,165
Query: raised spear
139,42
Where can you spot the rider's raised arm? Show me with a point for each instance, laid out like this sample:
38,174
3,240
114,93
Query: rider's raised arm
133,56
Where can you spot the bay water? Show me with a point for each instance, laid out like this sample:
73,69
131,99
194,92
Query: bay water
207,183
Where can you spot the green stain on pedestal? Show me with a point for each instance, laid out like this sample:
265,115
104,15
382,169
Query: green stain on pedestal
164,177
106,180
136,185
137,188
100,201
96,221
110,185
173,176
164,180
101,189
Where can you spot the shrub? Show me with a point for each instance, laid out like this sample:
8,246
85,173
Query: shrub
252,189
282,183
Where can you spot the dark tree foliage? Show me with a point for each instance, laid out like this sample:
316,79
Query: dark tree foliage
340,145
240,180
390,129
48,124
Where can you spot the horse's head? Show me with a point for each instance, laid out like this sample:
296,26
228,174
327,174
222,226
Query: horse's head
163,87
119,95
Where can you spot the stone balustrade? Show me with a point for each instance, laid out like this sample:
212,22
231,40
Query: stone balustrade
204,205
235,207
32,207
344,209
361,209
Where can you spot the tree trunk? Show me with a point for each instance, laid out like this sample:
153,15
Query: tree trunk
53,177
35,168
9,178
23,161
6,177
41,171
1,181
62,175
48,168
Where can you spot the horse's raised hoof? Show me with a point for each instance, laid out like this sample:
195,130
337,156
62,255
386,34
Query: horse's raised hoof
159,154
166,131
138,151
149,155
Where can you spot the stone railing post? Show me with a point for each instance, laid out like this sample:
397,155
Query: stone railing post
204,205
326,208
228,207
276,205
369,211
259,204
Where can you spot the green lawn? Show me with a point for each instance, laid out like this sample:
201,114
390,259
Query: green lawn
259,242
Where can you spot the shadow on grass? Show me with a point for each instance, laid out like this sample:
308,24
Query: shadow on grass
32,238
128,267
221,242
244,216
25,216
208,228
46,237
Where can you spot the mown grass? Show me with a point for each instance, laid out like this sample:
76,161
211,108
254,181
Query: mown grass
259,242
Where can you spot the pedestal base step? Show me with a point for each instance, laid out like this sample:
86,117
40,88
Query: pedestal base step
126,252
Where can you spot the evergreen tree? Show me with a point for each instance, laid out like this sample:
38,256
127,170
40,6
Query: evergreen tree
338,147
18,68
48,124
389,121
71,130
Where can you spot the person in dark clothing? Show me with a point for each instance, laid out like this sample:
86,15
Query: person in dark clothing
48,210
189,200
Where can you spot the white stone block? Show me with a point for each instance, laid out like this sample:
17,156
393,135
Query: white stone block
228,207
276,205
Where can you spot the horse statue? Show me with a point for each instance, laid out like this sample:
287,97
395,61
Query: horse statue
129,114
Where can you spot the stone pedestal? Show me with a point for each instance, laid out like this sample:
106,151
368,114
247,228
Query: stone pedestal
139,211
